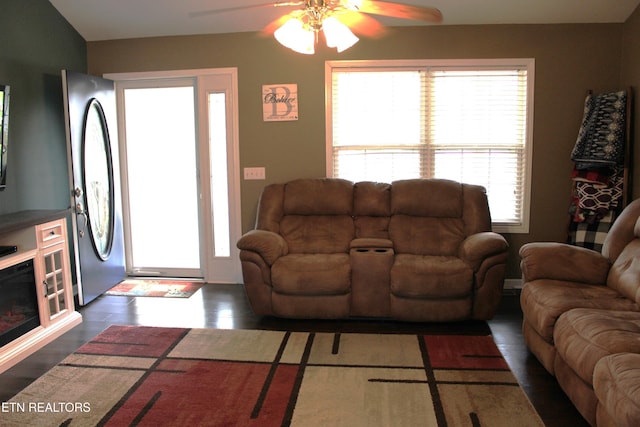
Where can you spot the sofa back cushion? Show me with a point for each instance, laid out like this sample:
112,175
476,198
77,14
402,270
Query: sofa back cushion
624,275
372,209
622,232
317,215
432,217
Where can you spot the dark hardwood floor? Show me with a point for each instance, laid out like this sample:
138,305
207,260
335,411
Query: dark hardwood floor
225,306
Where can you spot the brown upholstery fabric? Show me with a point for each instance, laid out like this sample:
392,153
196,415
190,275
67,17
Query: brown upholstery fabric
434,198
418,250
372,209
268,244
559,261
426,235
412,310
270,208
624,276
318,197
427,217
317,216
584,336
616,380
435,277
371,199
581,319
317,274
623,231
545,300
317,233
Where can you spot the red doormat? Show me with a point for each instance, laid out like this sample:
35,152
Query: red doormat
137,375
155,288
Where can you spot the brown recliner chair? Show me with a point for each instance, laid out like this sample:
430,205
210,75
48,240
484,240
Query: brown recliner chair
581,306
416,250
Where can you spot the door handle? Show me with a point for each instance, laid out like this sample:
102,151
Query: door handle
81,211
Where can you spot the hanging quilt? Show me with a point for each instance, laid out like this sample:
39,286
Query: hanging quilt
598,175
591,235
601,138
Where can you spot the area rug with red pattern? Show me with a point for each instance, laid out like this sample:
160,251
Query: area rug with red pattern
166,288
153,376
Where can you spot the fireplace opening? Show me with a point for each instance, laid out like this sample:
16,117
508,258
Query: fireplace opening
18,302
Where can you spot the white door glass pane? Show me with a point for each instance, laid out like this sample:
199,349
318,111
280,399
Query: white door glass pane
219,175
162,178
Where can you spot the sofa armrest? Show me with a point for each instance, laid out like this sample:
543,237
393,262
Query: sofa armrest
268,244
561,261
477,247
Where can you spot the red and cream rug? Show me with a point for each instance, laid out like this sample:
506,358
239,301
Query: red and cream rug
155,288
150,376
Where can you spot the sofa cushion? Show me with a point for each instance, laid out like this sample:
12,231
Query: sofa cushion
625,229
372,209
436,277
371,199
584,336
438,198
317,216
314,274
427,217
425,235
616,382
318,197
543,301
624,275
317,234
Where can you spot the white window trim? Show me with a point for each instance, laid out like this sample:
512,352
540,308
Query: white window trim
528,63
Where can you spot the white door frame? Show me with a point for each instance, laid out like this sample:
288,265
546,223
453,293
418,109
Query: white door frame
225,269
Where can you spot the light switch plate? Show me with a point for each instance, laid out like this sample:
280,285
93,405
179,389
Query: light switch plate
254,173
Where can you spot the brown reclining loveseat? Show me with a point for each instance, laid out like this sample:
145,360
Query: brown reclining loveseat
414,250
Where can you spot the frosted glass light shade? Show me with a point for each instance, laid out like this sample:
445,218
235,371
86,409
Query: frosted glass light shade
294,36
338,35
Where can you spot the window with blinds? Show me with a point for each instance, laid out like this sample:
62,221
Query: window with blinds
460,120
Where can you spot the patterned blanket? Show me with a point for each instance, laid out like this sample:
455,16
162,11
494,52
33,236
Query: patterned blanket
601,138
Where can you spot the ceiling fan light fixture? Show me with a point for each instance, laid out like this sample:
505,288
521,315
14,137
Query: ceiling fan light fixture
337,34
296,37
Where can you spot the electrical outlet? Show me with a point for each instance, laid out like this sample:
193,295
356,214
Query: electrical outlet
254,173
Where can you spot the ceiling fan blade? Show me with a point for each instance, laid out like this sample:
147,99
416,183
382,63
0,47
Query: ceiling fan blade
237,8
403,11
362,24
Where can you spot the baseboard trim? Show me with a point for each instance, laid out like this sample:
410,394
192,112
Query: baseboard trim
513,284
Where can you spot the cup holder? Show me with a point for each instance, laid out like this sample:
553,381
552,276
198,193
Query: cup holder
373,250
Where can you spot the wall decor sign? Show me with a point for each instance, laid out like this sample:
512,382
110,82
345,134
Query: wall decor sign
279,102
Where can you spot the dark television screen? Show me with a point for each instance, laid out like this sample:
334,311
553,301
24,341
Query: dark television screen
4,134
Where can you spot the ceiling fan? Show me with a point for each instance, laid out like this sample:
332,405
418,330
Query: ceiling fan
336,19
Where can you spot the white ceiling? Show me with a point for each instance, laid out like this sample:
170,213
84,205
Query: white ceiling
119,19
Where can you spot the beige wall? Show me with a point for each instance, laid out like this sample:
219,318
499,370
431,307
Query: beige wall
570,59
630,77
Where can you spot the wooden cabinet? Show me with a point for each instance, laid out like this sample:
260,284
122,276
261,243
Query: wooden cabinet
53,273
41,236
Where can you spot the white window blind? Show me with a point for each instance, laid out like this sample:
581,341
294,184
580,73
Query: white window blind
465,123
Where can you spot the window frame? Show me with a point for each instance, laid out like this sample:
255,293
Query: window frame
460,64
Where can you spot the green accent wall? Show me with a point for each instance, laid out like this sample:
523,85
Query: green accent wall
36,43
